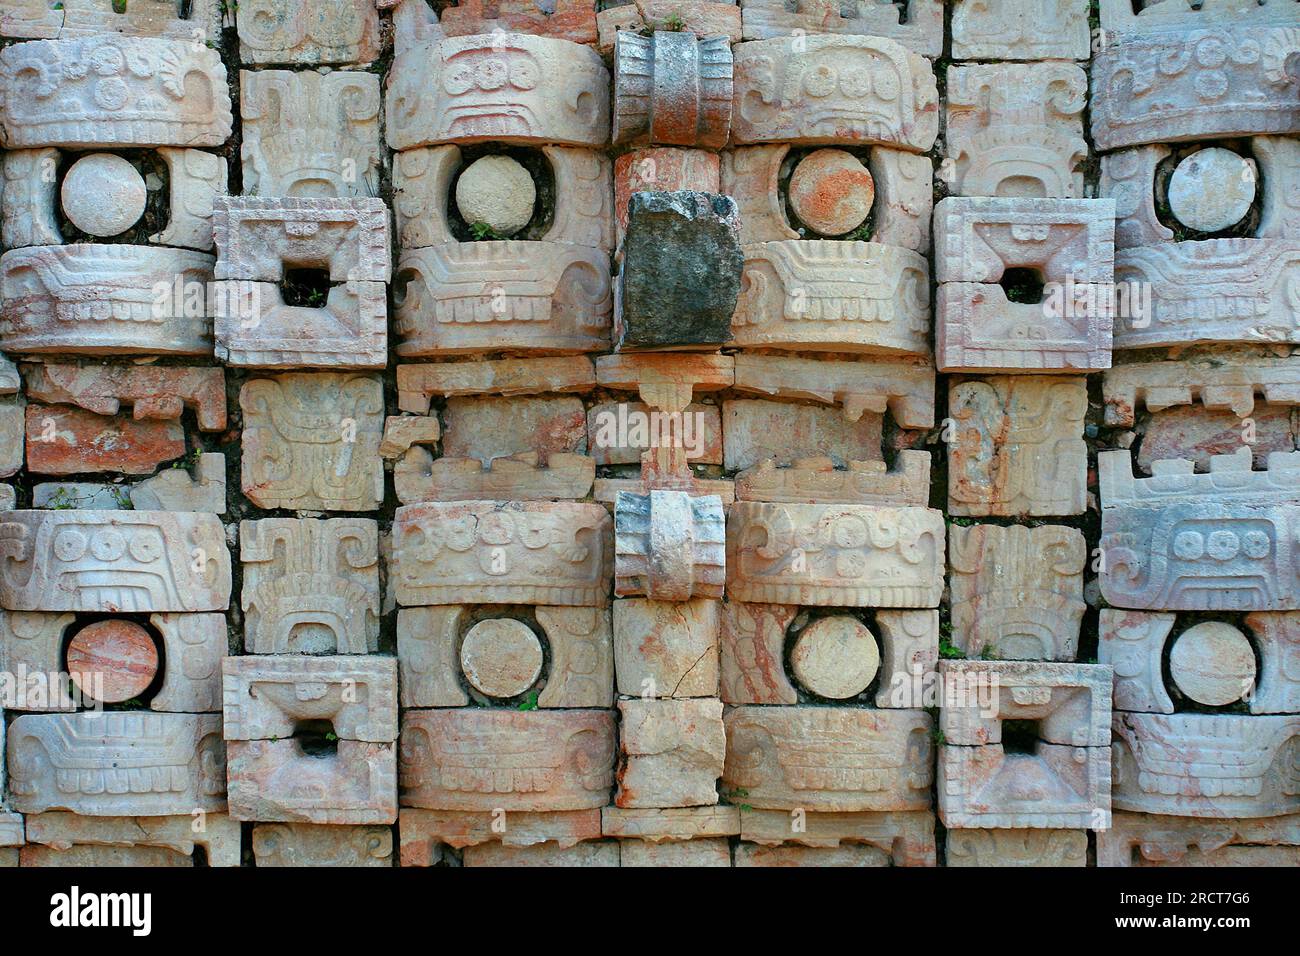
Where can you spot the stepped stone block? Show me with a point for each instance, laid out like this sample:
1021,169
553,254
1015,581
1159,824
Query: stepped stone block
1148,839
564,20
308,33
907,836
1070,703
672,753
267,696
672,88
216,833
152,393
1055,787
309,844
917,25
1218,381
423,832
1021,30
1017,848
279,782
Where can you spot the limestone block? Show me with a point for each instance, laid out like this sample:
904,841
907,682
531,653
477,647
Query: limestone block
1015,130
701,17
835,657
669,546
672,753
752,652
99,299
267,696
216,833
619,433
597,853
920,30
1180,541
280,782
507,88
114,561
474,297
428,656
1198,434
12,432
257,237
1214,290
151,393
1069,703
907,836
144,18
11,829
666,381
755,431
751,175
193,645
1128,177
835,555
833,296
663,169
1021,30
1205,765
909,655
1204,92
419,476
31,643
310,135
818,480
478,759
70,441
423,832
311,441
673,89
401,432
113,90
308,32
986,848
666,649
102,856
1017,591
904,386
846,90
116,764
417,384
1053,788
1120,16
1018,447
1278,639
670,825
27,198
175,489
31,19
1132,642
1144,839
1278,158
1216,380
798,856
684,853
197,178
483,552
255,328
488,428
829,758
565,19
309,844
112,661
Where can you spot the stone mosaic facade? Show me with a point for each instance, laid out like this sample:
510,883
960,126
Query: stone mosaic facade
646,433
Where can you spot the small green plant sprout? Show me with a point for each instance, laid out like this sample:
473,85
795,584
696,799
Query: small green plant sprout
674,23
989,653
119,6
331,736
950,651
529,702
123,497
937,734
482,230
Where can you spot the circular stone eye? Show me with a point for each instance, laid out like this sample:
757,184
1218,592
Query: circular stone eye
1256,544
1212,189
1189,545
145,548
108,545
1223,545
103,195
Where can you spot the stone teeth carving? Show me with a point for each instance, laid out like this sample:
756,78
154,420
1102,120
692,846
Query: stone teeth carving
1016,848
152,393
311,441
835,555
256,237
1016,130
310,586
837,296
1218,381
474,759
1142,839
1071,703
277,781
418,476
92,299
308,31
417,384
669,546
61,831
113,561
115,764
818,480
920,30
829,758
1217,541
113,90
1206,765
309,844
458,298
673,89
1021,30
563,19
903,386
310,134
266,696
505,552
1052,788
1019,446
510,88
834,89
1223,81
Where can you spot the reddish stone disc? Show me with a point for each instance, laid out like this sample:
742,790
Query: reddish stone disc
112,661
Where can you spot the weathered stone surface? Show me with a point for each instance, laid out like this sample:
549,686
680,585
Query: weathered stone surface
564,19
489,428
684,853
1021,30
12,429
1212,663
112,661
113,90
1212,189
32,643
829,758
1017,592
498,192
255,328
175,489
197,179
1120,16
666,381
103,195
681,273
819,481
216,833
701,17
1015,130
417,384
257,237
266,697
510,88
279,782
598,853
1129,177
620,433
501,657
1017,847
1144,839
758,431
833,296
1203,93
1278,638
476,759
672,88
752,651
28,198
903,386
920,30
663,169
193,646
834,555
1132,642
907,836
310,135
798,856
672,753
418,476
1018,447
831,191
102,856
307,844
483,552
308,31
752,175
1217,380
669,546
1181,541
98,299
114,561
311,441
1069,703
1198,434
1055,787
666,649
151,393
424,831
670,825
402,432
70,441
910,653
834,89
116,764
199,22
1205,765
502,295
835,657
